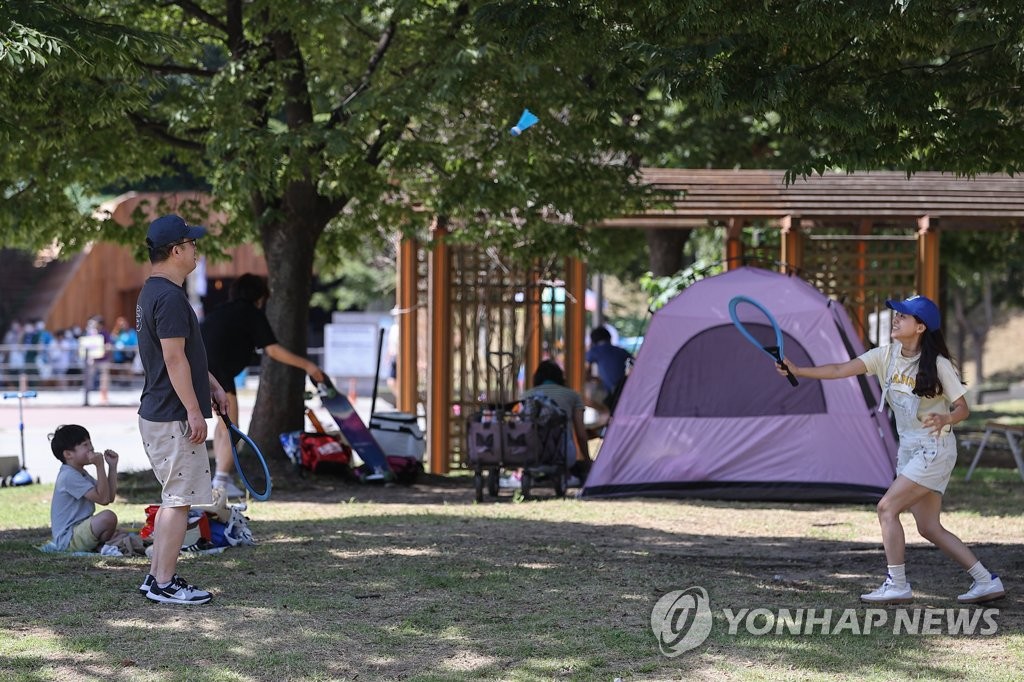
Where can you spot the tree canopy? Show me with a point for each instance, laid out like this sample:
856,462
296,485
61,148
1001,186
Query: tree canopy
322,125
319,126
876,84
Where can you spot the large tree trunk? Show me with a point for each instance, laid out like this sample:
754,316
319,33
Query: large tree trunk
665,250
289,244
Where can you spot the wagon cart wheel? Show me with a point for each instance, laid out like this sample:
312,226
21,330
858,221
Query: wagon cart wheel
478,484
559,478
493,481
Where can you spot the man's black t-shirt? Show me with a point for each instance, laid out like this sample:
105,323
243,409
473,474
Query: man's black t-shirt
232,333
163,312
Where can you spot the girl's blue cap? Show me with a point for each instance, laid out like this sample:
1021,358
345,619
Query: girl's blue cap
921,307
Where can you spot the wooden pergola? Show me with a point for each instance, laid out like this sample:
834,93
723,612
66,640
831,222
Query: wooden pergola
867,205
925,202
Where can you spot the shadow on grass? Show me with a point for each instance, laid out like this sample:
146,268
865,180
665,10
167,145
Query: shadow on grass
992,491
458,594
141,487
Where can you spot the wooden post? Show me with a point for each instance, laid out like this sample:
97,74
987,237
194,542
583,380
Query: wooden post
859,307
439,372
734,244
927,258
575,318
408,326
534,327
792,245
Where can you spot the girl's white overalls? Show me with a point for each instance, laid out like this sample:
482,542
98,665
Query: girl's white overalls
923,456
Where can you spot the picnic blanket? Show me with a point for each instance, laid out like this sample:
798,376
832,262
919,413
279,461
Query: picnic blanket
129,544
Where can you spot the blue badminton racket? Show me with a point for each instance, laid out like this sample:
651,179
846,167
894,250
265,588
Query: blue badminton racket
250,463
776,352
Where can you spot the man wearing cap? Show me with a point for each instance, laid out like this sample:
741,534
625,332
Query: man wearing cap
176,401
922,387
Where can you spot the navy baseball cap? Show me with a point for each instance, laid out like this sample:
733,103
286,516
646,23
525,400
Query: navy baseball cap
921,307
170,229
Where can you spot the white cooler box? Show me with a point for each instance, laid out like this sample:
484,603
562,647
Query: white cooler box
398,434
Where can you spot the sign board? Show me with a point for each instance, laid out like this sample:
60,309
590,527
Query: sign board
350,344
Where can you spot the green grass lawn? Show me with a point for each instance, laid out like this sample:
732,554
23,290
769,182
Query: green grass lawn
349,582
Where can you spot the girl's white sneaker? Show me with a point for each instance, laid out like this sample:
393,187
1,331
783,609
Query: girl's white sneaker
889,593
983,591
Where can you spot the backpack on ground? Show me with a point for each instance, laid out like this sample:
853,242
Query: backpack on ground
324,451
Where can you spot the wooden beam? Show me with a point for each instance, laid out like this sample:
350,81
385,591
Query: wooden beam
439,371
534,327
859,307
715,194
575,319
792,245
408,284
928,258
733,244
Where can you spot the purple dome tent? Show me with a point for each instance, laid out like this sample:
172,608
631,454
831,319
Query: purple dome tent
705,414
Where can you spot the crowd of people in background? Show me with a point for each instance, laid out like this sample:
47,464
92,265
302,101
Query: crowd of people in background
66,356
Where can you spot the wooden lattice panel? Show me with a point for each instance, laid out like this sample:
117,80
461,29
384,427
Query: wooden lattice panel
861,272
489,329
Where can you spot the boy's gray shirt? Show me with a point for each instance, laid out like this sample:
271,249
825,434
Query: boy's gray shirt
69,506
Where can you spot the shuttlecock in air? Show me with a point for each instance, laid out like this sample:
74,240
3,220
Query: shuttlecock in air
525,121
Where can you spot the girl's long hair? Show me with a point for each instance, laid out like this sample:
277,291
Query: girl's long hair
933,344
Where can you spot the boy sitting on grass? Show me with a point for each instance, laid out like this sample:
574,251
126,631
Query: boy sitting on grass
76,493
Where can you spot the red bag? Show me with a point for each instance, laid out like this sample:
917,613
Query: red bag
147,529
317,449
200,521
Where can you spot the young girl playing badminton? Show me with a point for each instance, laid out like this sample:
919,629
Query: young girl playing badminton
924,391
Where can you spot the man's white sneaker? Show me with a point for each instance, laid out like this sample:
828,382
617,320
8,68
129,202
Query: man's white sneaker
147,583
982,592
178,592
889,593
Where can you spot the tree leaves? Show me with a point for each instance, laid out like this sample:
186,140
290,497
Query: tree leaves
399,111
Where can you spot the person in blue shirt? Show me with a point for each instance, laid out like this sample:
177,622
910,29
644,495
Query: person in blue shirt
610,362
125,340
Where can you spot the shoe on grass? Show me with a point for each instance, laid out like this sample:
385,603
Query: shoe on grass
983,591
178,592
889,593
147,583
